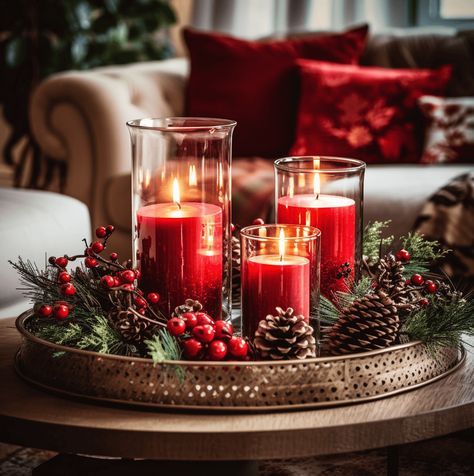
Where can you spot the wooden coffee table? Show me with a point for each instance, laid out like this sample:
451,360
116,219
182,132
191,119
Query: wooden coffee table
31,417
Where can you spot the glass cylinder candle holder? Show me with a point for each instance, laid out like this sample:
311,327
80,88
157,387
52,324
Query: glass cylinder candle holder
279,267
181,210
327,193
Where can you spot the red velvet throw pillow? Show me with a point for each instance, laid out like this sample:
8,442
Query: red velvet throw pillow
449,135
368,113
256,83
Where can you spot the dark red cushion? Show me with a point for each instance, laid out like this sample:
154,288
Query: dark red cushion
367,113
256,82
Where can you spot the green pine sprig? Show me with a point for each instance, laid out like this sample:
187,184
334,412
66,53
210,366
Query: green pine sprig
328,312
163,346
85,331
442,324
36,285
423,253
41,286
373,240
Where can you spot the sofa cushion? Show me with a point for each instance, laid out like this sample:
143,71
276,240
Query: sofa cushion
368,113
256,83
449,134
429,49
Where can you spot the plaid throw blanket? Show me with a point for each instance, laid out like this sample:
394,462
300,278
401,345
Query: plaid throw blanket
448,217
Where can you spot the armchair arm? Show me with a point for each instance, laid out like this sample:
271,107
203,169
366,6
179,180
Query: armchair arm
79,118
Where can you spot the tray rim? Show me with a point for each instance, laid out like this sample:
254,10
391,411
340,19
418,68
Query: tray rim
234,409
24,316
229,409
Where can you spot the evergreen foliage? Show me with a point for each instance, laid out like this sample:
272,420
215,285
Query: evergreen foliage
442,324
373,240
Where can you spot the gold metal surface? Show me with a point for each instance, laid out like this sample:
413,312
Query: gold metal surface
231,386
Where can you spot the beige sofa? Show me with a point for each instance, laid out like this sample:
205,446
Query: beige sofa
79,117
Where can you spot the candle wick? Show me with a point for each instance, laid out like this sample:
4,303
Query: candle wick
317,196
281,258
179,205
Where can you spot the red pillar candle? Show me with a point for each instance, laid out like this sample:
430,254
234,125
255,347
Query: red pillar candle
180,253
335,216
274,280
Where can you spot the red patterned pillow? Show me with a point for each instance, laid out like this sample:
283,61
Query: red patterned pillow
256,83
449,135
368,113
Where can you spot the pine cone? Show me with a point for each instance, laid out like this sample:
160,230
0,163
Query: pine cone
190,305
285,336
447,294
131,327
369,323
235,270
389,277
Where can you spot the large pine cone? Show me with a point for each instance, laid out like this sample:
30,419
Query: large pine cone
369,323
190,305
285,336
131,327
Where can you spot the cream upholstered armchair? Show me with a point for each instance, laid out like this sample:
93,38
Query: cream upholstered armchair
79,117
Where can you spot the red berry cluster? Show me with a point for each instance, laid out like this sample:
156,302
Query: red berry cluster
108,272
203,338
403,256
417,280
428,286
59,309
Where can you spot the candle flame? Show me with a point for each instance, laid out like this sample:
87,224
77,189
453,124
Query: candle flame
281,244
316,178
192,176
176,194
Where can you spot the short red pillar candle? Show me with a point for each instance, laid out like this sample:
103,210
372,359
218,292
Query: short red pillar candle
273,274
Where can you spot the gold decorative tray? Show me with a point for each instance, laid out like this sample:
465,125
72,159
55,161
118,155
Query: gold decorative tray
231,386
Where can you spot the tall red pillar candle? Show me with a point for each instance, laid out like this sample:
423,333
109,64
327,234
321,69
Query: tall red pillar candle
335,216
271,280
180,254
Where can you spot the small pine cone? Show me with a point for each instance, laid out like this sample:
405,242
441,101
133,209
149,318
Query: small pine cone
370,323
235,270
131,327
285,336
448,294
389,276
190,305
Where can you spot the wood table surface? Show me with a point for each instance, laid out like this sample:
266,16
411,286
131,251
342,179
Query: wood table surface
31,417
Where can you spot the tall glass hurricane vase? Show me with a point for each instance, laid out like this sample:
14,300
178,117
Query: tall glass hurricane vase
327,193
181,210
